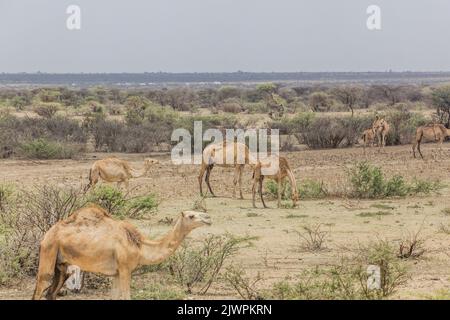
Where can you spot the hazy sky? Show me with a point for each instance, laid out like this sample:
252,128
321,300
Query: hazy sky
224,35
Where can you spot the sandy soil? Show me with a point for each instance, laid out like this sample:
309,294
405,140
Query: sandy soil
276,252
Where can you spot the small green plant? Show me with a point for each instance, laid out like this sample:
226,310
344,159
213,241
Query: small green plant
312,238
382,206
425,187
310,189
374,214
296,216
157,291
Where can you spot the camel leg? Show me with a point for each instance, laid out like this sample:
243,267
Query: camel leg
279,193
235,180
58,281
418,149
238,179
255,181
93,179
414,149
208,173
200,178
261,179
47,262
124,285
115,289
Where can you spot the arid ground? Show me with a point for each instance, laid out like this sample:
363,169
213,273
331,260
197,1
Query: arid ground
276,252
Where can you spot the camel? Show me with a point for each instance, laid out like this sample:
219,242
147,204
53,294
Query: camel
433,132
368,138
95,242
215,154
381,128
116,170
283,171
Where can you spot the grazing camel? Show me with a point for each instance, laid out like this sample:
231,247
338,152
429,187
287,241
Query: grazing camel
216,154
381,128
95,242
281,173
368,138
116,170
433,132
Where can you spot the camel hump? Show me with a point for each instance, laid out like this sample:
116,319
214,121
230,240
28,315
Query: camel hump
90,214
133,235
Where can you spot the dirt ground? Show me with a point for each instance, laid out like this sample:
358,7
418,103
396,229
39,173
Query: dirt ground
275,253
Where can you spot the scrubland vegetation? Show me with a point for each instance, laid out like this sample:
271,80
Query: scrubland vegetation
57,123
62,123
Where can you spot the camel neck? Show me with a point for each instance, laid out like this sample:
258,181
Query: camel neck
155,251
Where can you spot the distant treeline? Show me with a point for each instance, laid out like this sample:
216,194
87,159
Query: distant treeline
87,79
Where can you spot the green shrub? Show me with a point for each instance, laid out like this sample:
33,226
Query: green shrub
425,187
119,205
310,189
348,279
140,206
367,181
396,187
44,149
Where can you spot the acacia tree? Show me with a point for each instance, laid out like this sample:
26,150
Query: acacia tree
441,100
348,96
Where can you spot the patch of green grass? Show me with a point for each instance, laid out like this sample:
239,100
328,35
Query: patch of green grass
374,214
252,214
156,291
295,216
382,206
441,294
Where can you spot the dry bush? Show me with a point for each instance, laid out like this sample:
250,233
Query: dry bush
312,238
27,218
247,287
411,246
198,266
46,110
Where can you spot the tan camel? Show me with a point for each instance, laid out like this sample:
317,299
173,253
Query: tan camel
215,154
95,242
368,138
381,129
279,175
116,170
433,132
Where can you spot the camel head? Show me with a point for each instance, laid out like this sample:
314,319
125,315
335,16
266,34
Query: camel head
191,220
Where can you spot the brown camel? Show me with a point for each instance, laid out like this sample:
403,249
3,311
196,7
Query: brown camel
433,132
381,129
215,154
279,175
116,170
368,138
95,242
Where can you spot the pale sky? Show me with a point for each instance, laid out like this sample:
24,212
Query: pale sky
224,36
